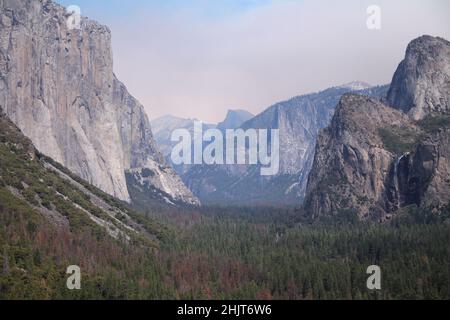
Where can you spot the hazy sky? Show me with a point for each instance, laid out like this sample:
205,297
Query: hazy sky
199,58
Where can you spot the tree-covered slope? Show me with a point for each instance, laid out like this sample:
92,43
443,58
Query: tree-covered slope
50,219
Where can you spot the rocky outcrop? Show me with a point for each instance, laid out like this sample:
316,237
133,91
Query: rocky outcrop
57,85
425,172
374,159
421,84
352,168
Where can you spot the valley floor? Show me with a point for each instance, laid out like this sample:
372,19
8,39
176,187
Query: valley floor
228,254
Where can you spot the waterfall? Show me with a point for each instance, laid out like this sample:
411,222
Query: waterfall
396,179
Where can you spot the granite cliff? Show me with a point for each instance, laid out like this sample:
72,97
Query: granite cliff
421,84
57,85
375,159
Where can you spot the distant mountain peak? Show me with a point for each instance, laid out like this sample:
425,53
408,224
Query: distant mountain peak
235,118
239,111
356,85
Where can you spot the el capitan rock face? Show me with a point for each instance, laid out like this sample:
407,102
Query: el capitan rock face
57,85
421,84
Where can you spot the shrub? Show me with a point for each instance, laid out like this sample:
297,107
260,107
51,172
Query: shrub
434,123
399,140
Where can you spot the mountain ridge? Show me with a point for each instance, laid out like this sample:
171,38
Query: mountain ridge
299,120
